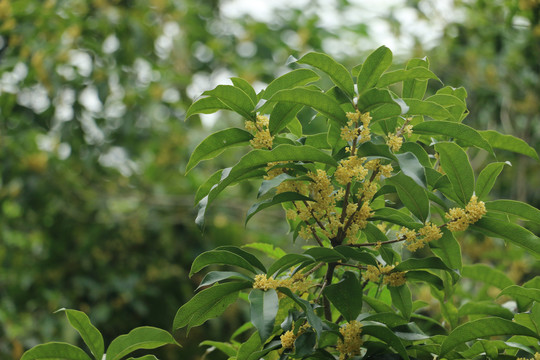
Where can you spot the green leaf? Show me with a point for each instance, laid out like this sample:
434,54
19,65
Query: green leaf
359,255
457,167
337,72
425,276
412,195
245,87
208,304
395,217
222,346
485,308
455,130
453,104
509,231
375,65
346,296
487,178
374,98
234,98
215,276
290,80
269,249
287,262
402,299
411,166
392,77
487,274
520,209
260,158
427,108
483,328
144,337
89,333
325,254
145,357
55,350
312,318
222,257
519,291
282,115
207,105
216,143
315,99
264,308
508,142
370,149
277,199
424,263
383,333
415,88
252,259
447,249
252,345
418,151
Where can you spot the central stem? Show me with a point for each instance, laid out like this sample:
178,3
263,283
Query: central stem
327,281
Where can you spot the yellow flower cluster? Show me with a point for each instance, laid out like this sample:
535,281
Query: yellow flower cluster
353,130
359,221
428,233
292,186
272,172
297,283
460,219
352,340
288,338
262,139
536,357
350,169
374,273
368,191
394,142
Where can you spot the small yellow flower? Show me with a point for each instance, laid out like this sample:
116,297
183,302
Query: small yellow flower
461,218
287,339
263,283
395,279
262,138
394,142
352,340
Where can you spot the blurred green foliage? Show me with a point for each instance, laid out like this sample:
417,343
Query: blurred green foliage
94,211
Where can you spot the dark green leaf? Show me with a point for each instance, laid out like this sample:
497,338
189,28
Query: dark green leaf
215,276
508,142
415,88
374,98
221,257
454,130
264,308
447,248
425,276
378,151
312,319
245,87
485,308
427,108
282,115
357,254
317,100
252,345
520,209
424,263
252,259
337,72
208,304
277,199
411,166
487,178
375,65
291,79
509,231
207,105
412,195
418,73
483,328
383,333
402,299
487,274
144,337
89,333
216,143
457,167
234,98
55,350
223,346
346,296
519,291
287,262
418,151
395,217
324,254
453,104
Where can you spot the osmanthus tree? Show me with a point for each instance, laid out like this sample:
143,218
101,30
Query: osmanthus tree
379,197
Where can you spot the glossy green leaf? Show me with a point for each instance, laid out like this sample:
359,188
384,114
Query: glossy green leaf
374,98
402,299
392,77
206,105
144,337
222,346
424,263
483,328
287,262
346,296
485,308
517,208
264,307
456,165
221,257
290,80
487,274
383,333
252,259
317,100
453,104
246,87
509,231
234,98
395,217
454,130
260,158
509,142
427,108
55,350
515,292
208,304
370,149
375,65
356,254
324,254
252,345
312,318
277,199
145,357
215,276
425,276
282,115
216,143
337,72
207,185
89,333
415,88
270,250
447,249
411,166
487,179
412,195
418,151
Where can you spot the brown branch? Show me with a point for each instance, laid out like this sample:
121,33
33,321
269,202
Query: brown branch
327,281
